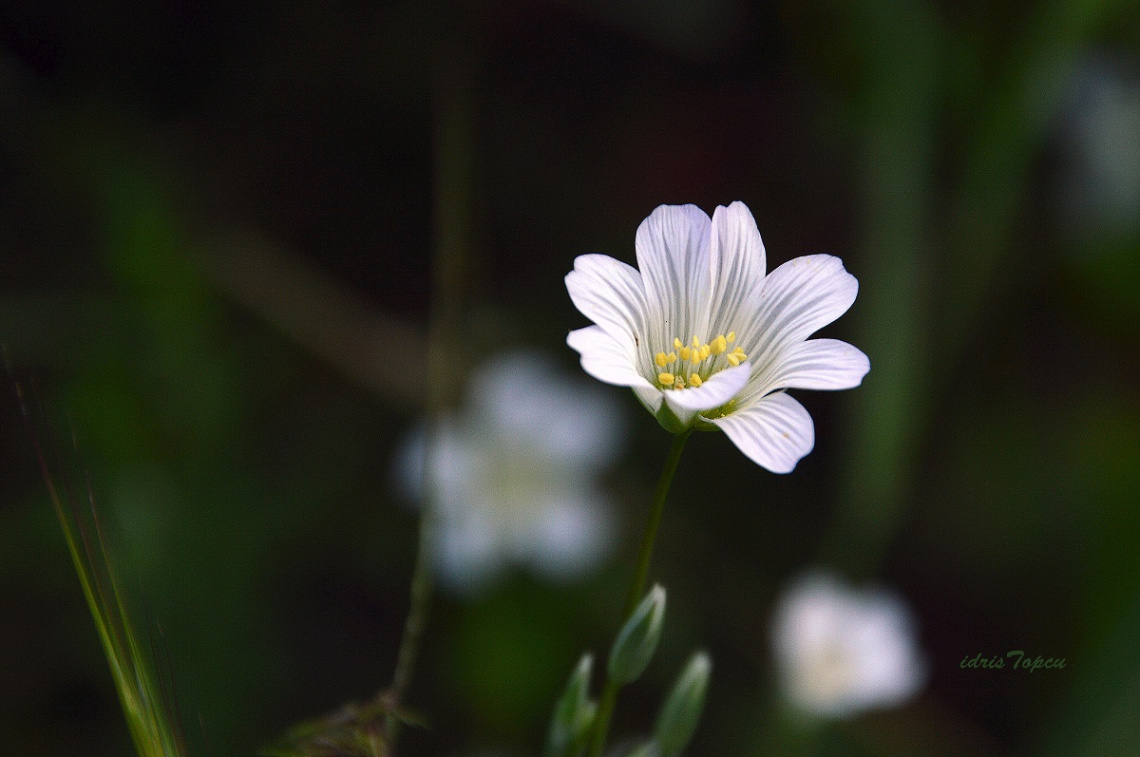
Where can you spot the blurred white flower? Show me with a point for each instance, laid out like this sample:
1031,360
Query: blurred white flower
841,651
705,338
1100,140
516,475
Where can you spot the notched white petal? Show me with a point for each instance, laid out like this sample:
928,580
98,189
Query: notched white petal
713,393
672,254
609,293
797,299
818,364
774,432
736,264
604,358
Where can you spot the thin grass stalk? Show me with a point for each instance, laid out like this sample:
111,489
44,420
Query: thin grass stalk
146,700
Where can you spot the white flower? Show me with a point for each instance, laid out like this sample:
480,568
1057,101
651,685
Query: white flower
516,475
840,651
1101,149
705,338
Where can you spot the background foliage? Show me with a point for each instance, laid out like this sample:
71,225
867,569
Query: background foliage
216,226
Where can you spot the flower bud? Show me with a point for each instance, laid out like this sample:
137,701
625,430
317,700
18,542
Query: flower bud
638,638
573,714
682,710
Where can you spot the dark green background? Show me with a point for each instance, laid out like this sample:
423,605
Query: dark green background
216,227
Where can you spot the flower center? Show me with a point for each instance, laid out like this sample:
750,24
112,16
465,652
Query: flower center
693,364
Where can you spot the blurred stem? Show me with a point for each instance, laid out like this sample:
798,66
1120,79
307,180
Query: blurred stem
637,588
903,45
453,180
421,591
1022,106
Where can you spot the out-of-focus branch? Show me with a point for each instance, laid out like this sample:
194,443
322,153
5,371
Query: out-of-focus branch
297,298
321,316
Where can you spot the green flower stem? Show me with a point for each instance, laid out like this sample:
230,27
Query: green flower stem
637,588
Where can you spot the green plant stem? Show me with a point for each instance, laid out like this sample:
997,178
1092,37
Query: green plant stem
637,587
420,594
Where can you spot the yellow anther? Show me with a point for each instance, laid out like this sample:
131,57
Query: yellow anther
694,354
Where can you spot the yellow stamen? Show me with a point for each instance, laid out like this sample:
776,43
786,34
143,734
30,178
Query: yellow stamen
693,355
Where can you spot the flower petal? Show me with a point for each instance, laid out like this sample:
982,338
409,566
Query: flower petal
673,257
522,397
604,358
736,265
797,299
649,396
610,293
714,392
468,551
774,432
817,364
571,533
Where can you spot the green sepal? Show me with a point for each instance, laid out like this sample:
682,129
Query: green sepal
637,640
573,714
669,420
681,712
